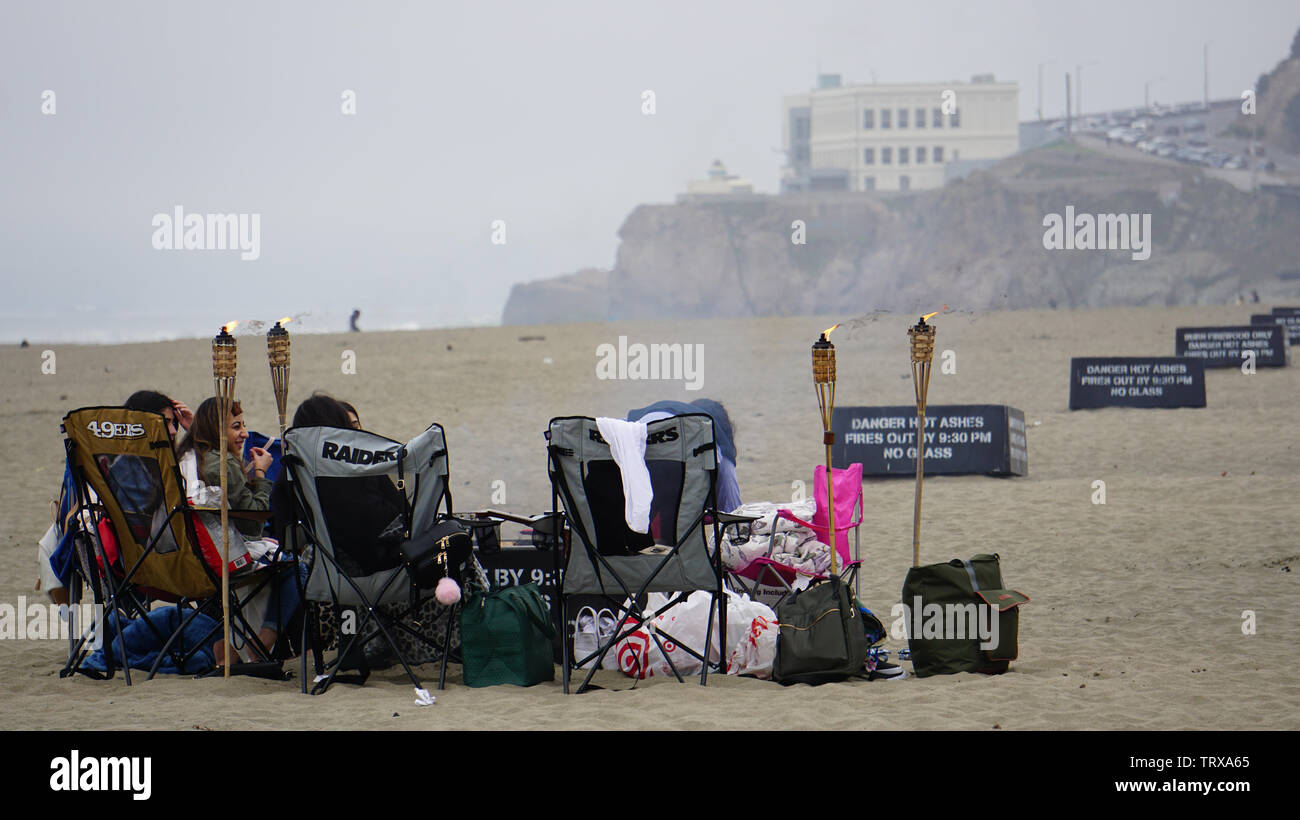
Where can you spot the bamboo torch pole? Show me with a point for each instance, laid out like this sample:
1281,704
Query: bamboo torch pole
922,338
277,354
823,359
224,364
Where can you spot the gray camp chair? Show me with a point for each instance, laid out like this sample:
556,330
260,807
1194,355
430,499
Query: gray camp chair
605,558
352,461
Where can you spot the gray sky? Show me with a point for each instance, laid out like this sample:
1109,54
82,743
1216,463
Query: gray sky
468,113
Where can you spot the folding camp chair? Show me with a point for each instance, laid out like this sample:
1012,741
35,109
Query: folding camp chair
606,558
143,542
848,515
351,461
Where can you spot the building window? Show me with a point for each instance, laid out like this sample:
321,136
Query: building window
902,118
938,153
902,156
868,183
956,118
904,183
886,156
801,153
868,156
884,118
868,118
920,154
937,119
920,118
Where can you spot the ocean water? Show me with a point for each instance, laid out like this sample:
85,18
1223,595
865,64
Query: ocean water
86,324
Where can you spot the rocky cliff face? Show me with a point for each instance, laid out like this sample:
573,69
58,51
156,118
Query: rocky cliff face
578,297
976,244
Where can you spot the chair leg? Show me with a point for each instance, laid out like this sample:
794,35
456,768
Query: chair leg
565,656
446,645
708,630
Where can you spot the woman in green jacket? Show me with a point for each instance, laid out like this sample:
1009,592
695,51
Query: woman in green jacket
246,484
247,489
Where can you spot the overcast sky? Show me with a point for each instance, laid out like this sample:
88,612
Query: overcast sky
467,113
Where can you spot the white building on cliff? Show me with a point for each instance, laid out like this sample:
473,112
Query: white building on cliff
717,183
894,137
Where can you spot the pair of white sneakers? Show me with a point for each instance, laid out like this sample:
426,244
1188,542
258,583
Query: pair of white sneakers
591,631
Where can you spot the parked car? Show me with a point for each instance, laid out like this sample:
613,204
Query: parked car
1235,162
1167,150
1197,142
1193,125
1268,166
1173,130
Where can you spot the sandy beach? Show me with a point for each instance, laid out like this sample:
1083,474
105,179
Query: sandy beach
1137,605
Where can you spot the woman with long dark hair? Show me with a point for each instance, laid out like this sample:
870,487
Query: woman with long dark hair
246,485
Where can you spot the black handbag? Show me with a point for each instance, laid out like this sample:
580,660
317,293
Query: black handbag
821,636
436,553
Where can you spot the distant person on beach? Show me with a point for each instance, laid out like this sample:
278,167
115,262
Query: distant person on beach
724,436
352,322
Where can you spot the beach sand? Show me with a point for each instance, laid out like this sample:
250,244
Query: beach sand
1137,605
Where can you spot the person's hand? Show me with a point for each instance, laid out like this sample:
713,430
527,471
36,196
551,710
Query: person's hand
184,416
261,460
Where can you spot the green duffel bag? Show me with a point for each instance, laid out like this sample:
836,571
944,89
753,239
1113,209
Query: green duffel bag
505,637
821,638
960,617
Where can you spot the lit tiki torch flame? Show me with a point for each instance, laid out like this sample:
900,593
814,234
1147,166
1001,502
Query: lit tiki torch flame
277,354
225,360
922,339
823,360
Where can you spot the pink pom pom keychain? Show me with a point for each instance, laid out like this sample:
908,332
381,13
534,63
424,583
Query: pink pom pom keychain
447,592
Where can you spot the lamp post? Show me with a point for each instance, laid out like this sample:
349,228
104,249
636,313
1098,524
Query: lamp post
922,343
277,354
224,364
1147,87
1040,88
1078,86
823,363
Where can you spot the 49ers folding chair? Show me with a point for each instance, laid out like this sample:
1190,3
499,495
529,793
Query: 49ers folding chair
145,543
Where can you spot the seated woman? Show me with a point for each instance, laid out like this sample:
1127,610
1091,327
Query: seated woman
356,510
247,490
724,436
246,484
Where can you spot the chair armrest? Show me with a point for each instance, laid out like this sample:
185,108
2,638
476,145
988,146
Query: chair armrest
726,519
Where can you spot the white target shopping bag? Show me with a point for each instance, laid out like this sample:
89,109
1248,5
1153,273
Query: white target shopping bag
751,638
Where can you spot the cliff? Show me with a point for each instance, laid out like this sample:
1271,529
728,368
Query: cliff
976,244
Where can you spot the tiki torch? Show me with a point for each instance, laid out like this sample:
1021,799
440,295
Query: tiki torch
277,353
224,360
823,360
922,336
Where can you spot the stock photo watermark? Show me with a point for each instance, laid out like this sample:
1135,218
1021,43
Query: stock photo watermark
949,622
653,362
1107,232
102,774
45,621
179,231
